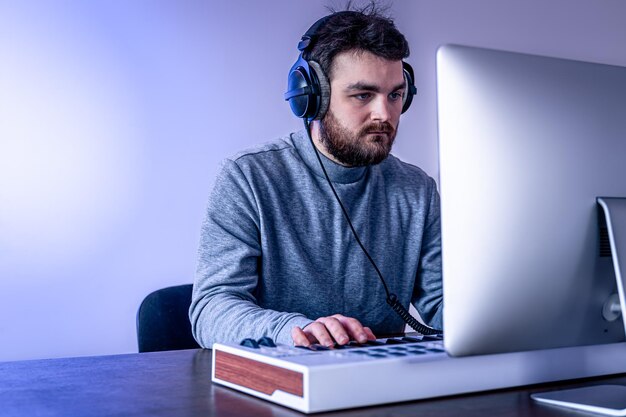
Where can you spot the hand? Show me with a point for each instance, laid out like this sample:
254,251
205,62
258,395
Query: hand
328,330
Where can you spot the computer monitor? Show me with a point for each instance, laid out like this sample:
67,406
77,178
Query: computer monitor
527,144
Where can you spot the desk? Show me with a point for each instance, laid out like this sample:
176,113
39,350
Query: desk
178,383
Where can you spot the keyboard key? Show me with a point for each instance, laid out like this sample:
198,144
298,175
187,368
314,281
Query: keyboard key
313,348
412,339
432,338
395,342
267,342
416,347
251,343
344,347
319,347
435,350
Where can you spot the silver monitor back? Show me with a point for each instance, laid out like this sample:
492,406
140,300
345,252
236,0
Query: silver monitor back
526,145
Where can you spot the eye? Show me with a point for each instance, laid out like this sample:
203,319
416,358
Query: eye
396,96
362,96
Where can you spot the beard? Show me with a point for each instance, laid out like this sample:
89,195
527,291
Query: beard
356,149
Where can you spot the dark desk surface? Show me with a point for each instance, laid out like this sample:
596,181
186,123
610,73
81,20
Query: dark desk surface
178,383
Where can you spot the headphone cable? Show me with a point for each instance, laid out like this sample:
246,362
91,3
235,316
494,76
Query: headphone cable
392,299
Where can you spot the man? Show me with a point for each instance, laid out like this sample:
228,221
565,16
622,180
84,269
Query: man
277,257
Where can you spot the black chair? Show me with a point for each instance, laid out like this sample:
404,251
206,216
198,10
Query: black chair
163,320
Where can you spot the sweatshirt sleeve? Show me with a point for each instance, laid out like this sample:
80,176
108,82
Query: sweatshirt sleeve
428,292
223,306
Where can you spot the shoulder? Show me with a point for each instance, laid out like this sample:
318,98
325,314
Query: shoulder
266,165
266,152
259,160
239,173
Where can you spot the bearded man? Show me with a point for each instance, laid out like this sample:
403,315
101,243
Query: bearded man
277,258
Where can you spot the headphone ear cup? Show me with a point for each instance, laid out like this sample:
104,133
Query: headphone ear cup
302,93
324,89
406,95
410,89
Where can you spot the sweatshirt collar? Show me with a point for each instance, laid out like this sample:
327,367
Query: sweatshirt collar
337,173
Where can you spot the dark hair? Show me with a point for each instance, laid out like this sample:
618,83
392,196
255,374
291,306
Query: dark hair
367,29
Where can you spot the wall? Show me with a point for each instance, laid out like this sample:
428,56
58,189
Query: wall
584,30
114,116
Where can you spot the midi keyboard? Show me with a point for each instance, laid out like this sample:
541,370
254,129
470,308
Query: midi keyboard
386,370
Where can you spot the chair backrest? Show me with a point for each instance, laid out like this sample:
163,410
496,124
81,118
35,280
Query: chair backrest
163,320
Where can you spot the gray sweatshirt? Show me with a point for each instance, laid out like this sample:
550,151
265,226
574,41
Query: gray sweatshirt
276,251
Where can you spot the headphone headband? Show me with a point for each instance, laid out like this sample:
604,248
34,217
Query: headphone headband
310,36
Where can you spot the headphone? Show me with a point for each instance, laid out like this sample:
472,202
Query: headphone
308,88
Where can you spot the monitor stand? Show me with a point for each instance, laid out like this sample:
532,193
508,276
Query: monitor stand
602,399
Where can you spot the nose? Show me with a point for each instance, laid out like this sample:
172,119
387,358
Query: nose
382,110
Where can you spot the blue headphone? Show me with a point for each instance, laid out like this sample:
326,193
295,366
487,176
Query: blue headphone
308,88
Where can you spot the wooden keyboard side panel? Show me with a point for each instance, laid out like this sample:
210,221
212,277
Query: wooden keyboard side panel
256,375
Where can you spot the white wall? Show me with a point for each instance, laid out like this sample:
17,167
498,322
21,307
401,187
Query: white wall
114,116
587,30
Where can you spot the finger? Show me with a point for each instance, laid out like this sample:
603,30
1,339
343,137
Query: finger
335,329
370,333
299,337
320,333
354,328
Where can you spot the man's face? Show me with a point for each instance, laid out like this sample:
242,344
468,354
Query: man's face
365,106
